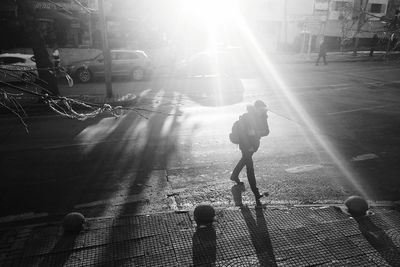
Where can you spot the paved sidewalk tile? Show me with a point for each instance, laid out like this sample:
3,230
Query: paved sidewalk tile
239,237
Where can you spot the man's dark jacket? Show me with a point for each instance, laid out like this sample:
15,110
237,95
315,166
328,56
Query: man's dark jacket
251,128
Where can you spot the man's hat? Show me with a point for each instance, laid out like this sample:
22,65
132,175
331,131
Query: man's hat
260,104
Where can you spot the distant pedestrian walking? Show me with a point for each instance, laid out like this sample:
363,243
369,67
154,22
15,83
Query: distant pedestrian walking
374,43
247,132
56,57
322,53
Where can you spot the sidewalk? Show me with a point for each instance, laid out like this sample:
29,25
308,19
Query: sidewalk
337,57
273,236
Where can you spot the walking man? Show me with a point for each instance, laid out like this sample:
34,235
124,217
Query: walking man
251,127
322,53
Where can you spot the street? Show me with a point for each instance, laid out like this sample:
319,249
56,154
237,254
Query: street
334,133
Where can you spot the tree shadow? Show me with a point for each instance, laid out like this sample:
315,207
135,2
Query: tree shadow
136,160
65,245
259,236
379,240
204,250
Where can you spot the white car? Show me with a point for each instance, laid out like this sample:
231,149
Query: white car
16,67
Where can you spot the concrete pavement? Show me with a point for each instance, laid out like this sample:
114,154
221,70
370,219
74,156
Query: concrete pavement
269,236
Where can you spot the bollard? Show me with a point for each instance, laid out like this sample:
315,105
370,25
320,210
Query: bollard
356,206
73,222
204,215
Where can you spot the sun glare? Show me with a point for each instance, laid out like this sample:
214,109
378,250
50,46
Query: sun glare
269,70
213,12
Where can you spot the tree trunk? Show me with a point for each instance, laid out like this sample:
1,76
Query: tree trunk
26,14
362,19
356,46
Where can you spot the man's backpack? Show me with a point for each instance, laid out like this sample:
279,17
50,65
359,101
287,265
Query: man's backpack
234,135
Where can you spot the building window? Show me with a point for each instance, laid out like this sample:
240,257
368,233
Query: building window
376,8
341,5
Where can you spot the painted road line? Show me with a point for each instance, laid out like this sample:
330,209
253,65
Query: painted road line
364,157
304,168
318,86
358,109
23,216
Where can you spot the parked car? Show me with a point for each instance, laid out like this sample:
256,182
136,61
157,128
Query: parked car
15,67
130,63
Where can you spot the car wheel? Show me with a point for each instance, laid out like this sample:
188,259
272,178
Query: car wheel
84,75
138,74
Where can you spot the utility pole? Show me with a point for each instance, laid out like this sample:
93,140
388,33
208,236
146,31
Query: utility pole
106,50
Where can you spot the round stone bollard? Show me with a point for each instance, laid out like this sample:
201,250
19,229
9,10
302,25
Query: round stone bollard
73,222
204,215
356,206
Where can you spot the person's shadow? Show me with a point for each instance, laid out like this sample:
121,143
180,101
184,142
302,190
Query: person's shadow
379,240
66,243
204,246
259,236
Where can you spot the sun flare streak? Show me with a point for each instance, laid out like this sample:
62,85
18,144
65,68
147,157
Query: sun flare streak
268,69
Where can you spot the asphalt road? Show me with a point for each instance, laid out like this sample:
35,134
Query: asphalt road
325,122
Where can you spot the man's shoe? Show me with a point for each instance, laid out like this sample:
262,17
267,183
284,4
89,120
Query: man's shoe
265,194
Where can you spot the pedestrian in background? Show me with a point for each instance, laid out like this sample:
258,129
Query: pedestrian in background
56,57
322,53
374,43
251,126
